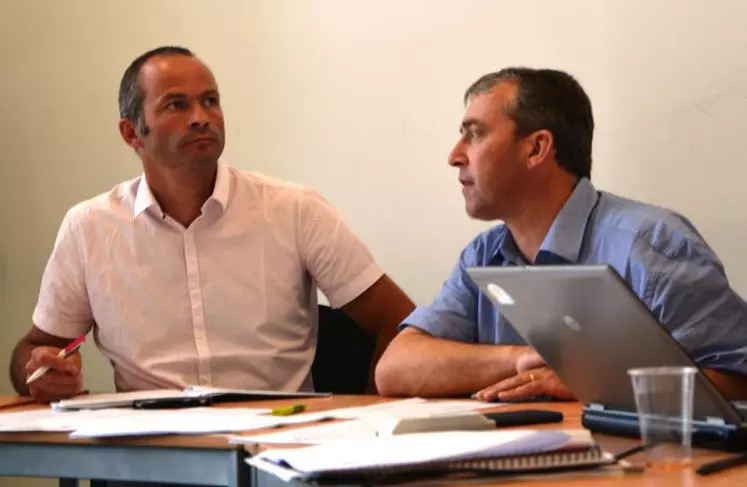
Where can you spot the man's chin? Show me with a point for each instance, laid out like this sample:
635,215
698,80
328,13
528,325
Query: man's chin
205,157
480,213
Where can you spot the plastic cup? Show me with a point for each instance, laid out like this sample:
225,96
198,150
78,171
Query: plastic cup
664,399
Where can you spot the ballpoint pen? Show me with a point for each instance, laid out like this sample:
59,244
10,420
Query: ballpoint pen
720,465
172,403
64,353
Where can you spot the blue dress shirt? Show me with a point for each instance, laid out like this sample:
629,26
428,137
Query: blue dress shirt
659,253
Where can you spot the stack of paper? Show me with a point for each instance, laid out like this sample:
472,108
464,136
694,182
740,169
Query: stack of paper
128,422
88,417
364,422
389,453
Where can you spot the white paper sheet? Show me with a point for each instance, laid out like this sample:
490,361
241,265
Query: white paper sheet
50,420
178,421
128,422
346,430
409,408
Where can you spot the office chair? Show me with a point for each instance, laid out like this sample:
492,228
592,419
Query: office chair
343,355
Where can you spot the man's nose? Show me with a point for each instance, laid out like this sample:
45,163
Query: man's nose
199,117
457,156
199,124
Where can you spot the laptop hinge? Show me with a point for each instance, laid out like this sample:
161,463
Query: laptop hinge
596,406
716,421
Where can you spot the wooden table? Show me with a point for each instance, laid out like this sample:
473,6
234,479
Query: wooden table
211,460
572,412
188,459
195,460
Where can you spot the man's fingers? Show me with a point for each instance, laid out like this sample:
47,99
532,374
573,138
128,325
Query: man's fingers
62,380
53,393
47,358
55,378
56,387
524,391
495,391
58,363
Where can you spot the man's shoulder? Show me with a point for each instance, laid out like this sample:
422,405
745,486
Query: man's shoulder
271,189
116,202
662,229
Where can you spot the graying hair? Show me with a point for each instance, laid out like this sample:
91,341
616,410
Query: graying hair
131,95
551,100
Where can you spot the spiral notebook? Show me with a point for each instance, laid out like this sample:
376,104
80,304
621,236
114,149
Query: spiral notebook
441,453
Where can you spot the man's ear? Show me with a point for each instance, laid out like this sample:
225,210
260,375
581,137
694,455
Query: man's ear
130,134
541,147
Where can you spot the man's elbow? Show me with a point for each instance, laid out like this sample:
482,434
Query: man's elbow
396,370
388,380
396,375
385,376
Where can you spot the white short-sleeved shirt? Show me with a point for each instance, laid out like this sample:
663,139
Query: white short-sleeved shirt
228,302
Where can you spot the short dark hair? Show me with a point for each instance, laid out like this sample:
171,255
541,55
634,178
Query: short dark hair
551,100
131,95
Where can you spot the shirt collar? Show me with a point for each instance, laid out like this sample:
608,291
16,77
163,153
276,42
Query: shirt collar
566,235
144,198
508,251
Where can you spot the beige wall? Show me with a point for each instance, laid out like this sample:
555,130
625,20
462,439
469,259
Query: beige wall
361,100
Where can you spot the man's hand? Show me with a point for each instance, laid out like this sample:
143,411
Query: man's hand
534,382
63,380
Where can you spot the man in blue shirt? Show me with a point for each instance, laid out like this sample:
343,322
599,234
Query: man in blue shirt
524,157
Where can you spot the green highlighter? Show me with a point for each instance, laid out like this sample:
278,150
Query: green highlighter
288,410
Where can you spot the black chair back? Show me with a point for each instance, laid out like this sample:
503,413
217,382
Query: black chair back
344,354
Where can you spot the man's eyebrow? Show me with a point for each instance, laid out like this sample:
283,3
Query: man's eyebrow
181,96
470,123
172,96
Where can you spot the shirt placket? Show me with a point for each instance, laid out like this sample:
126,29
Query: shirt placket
198,312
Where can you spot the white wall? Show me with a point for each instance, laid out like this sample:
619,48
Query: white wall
362,100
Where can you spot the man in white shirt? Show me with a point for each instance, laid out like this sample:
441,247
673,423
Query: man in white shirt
196,272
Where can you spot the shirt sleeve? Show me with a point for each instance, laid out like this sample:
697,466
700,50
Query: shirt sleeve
453,313
690,295
63,309
339,262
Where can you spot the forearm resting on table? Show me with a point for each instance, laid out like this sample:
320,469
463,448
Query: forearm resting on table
417,364
379,309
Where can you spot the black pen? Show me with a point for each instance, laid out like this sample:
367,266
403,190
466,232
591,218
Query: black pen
629,452
172,403
720,465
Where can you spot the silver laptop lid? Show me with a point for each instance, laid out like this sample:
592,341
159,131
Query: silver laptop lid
590,328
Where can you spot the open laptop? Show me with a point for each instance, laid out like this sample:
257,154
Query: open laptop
591,328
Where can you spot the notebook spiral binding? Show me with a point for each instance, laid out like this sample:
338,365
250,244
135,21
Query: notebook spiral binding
590,457
570,459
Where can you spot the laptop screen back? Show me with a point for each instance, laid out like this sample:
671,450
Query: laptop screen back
590,329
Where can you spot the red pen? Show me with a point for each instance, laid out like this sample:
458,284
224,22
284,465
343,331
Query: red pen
64,353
